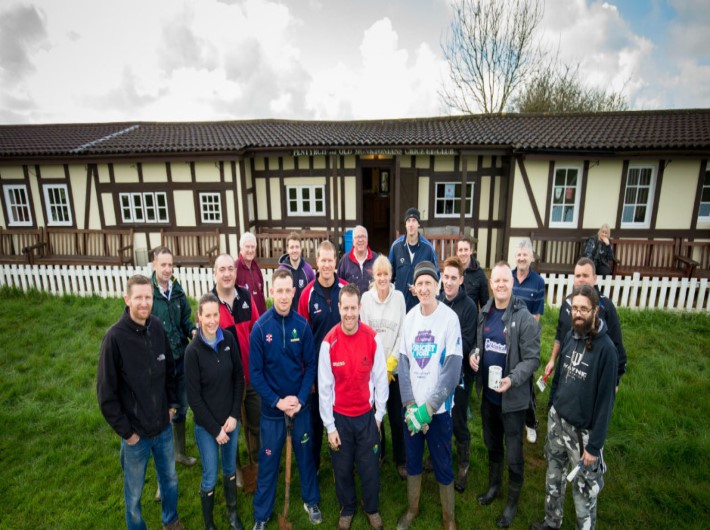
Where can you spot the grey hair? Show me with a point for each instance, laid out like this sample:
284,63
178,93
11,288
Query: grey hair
360,227
527,245
246,236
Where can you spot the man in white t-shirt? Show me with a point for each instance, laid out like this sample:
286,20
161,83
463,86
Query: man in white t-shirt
429,370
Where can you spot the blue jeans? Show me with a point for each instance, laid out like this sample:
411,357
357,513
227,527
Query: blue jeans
134,461
209,456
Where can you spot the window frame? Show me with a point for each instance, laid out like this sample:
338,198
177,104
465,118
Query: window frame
646,223
455,199
46,188
206,195
143,207
577,197
7,189
312,200
705,186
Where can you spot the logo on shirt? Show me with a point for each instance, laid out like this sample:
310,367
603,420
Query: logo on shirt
300,282
294,335
161,357
245,305
315,306
496,347
226,349
269,337
424,348
339,363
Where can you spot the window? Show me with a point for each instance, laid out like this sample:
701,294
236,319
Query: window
565,197
640,184
144,207
17,202
704,211
305,200
447,201
56,199
211,207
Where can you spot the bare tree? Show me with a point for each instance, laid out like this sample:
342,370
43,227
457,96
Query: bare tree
491,49
561,89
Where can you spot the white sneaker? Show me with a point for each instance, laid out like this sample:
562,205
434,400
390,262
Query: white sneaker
532,434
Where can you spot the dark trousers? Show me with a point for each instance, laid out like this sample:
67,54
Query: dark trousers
316,427
359,441
459,414
438,440
394,415
530,414
498,427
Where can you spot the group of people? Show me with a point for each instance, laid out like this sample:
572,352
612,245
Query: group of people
339,349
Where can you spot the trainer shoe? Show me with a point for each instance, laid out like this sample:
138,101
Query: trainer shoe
259,525
313,513
532,434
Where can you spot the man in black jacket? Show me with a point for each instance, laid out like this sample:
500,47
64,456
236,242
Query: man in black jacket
475,282
582,397
136,391
454,296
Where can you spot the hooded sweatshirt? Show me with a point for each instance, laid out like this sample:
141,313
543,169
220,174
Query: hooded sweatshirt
302,276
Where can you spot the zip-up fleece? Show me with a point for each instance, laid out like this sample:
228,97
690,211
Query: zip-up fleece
314,307
282,360
403,266
175,315
475,283
135,384
251,278
522,341
302,276
215,381
467,312
239,320
349,269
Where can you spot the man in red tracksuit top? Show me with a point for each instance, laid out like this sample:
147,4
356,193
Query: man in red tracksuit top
352,377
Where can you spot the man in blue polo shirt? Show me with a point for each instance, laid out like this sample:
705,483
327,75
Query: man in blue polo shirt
529,285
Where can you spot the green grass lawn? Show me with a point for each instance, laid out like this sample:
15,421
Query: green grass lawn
59,464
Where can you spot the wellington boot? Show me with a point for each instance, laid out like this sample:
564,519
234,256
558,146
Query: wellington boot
495,477
230,499
446,494
462,451
179,444
511,508
414,490
207,501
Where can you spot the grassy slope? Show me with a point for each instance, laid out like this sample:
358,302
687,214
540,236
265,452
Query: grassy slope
59,460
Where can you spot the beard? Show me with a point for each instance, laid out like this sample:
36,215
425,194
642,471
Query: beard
582,326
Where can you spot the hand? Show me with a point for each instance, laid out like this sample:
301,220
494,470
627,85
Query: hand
412,291
334,440
504,385
588,459
473,361
417,417
134,439
222,438
230,424
379,424
289,405
549,367
172,411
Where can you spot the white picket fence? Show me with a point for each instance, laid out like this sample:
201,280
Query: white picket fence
630,291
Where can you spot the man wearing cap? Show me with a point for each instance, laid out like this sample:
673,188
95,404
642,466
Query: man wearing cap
406,252
429,370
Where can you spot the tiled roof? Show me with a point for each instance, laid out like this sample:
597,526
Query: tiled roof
667,130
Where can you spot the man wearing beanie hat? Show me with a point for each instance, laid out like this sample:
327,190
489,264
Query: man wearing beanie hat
406,252
429,370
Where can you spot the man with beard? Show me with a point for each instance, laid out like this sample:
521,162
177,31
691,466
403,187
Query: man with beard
582,397
585,274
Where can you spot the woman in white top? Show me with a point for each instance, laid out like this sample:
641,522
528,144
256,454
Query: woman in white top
384,309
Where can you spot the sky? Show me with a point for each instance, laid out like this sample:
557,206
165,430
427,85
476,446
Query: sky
73,61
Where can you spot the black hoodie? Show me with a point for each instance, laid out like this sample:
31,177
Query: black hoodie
583,388
475,283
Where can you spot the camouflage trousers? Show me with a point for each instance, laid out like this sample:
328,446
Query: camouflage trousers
562,452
